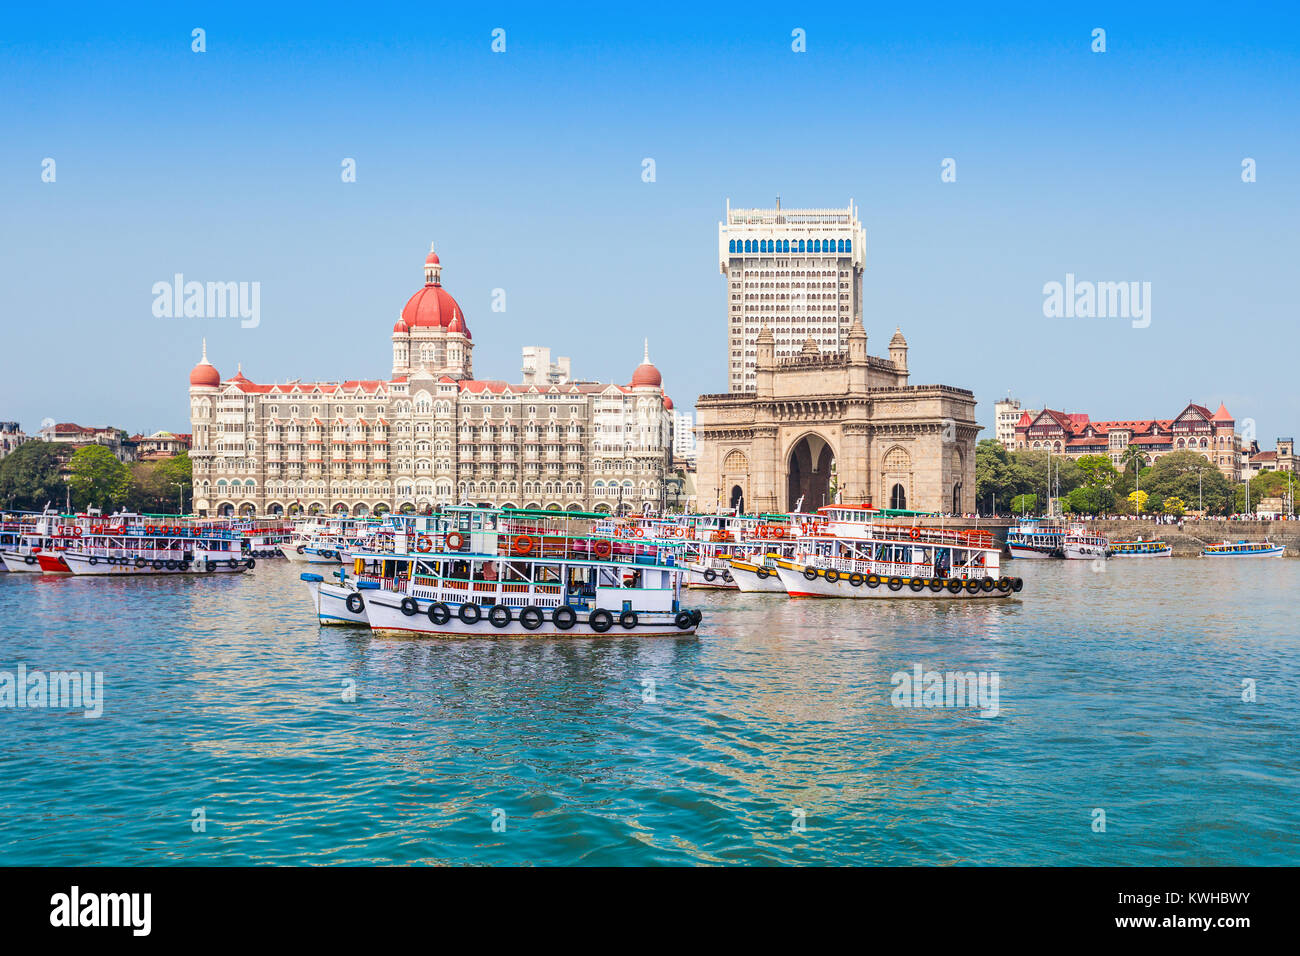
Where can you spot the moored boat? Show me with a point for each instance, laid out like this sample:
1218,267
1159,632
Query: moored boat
1243,549
1138,548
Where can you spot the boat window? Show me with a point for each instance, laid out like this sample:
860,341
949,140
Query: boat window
546,574
517,571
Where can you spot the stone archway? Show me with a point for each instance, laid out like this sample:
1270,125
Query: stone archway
809,465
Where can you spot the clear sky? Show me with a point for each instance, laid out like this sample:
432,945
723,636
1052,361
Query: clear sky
525,167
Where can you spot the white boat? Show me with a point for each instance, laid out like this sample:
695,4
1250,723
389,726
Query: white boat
889,561
1080,544
1036,538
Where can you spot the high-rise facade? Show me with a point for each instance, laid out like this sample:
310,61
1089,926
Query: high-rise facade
796,271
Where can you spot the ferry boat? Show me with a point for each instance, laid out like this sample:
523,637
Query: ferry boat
758,573
1138,548
1080,544
510,583
125,545
1036,538
1244,549
884,561
25,539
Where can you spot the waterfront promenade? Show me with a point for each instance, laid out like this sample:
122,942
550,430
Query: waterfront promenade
1186,542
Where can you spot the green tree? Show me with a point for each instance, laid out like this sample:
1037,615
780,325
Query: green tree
97,478
31,476
1189,476
1098,471
1024,504
1090,500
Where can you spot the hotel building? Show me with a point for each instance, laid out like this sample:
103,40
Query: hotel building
429,434
796,271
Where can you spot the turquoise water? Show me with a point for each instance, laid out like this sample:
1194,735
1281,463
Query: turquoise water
1119,690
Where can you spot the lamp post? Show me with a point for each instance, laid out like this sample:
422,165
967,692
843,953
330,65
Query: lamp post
181,494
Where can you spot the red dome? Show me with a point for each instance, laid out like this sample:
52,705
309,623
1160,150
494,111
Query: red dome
431,308
432,259
646,374
401,326
668,404
205,376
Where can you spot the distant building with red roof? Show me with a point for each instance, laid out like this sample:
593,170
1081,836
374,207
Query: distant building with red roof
428,435
1195,428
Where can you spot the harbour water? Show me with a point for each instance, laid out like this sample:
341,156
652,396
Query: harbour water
768,739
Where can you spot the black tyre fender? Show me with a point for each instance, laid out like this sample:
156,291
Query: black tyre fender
710,574
972,585
157,565
936,585
232,563
140,562
356,604
600,620
252,563
94,560
302,549
1017,584
726,576
683,620
470,613
895,584
564,617
873,581
410,606
531,617
987,585
439,613
29,559
855,580
916,584
628,620
697,616
1004,584
810,574
954,586
500,616
832,576
171,565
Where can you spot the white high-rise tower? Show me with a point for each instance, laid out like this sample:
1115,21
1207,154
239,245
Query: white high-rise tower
797,271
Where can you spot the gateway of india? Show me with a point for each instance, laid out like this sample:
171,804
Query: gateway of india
810,418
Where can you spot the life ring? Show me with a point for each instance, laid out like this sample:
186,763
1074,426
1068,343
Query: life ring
76,531
356,604
150,529
778,532
628,620
410,606
500,616
524,544
638,532
603,548
470,613
683,620
564,617
454,540
423,544
531,617
914,534
600,620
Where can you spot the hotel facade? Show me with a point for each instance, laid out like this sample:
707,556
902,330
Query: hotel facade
429,434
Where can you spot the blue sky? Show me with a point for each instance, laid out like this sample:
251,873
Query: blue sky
525,167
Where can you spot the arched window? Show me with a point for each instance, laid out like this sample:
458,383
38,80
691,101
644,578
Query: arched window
898,498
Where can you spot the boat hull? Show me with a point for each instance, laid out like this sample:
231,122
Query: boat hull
700,577
1266,553
1030,551
756,579
387,618
799,584
85,564
19,563
332,604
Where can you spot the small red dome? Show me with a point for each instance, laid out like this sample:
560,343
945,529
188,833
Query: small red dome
432,259
401,326
646,374
205,375
668,404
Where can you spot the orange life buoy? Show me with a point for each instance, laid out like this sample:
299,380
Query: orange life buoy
76,531
778,532
454,540
524,544
423,544
603,549
914,534
638,532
